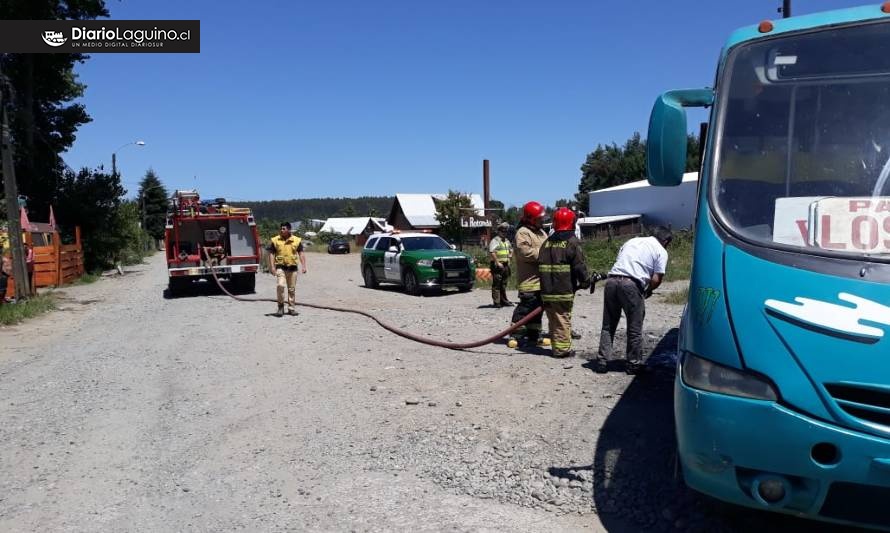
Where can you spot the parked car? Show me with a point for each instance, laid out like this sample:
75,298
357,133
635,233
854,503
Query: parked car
416,261
338,246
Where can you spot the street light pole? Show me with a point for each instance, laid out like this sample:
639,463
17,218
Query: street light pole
114,155
19,271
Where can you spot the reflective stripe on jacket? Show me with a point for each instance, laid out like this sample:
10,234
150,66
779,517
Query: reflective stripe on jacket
562,267
503,249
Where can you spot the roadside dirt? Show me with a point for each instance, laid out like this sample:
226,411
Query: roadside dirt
128,410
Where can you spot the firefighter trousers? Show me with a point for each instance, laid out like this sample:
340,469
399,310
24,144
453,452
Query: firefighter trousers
559,318
287,279
528,302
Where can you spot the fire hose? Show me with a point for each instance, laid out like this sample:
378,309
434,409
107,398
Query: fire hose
389,327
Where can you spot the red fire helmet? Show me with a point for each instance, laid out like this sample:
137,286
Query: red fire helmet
563,219
532,211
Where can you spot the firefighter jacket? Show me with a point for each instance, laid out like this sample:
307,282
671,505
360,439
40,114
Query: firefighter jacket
286,250
528,244
562,267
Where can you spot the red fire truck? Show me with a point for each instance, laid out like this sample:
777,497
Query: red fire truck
210,236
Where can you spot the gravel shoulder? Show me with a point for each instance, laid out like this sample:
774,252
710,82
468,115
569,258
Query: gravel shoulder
128,410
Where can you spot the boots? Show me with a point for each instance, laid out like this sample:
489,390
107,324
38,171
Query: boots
280,312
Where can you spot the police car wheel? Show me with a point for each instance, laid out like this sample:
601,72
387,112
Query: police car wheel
410,282
370,278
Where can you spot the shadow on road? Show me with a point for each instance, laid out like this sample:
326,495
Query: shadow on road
202,288
637,485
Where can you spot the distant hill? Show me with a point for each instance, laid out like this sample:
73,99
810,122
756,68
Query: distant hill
280,210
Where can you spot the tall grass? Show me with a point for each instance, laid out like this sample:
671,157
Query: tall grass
600,256
677,297
14,313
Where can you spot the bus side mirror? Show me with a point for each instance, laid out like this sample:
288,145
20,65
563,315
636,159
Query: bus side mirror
666,141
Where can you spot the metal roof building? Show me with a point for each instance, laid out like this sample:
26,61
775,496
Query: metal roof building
418,211
666,206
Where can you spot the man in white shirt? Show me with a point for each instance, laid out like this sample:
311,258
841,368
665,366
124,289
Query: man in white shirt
638,270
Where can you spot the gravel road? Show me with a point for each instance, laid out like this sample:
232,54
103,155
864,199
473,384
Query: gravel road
127,410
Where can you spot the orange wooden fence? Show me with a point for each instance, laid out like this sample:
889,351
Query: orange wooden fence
54,265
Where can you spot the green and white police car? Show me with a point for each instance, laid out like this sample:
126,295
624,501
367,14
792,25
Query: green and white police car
416,261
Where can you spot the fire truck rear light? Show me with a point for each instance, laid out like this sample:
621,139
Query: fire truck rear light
177,272
250,269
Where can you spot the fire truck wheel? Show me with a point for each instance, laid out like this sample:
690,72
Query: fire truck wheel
177,286
244,283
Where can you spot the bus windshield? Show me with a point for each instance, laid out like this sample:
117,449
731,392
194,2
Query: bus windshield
803,145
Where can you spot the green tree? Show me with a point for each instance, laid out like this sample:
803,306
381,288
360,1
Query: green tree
153,204
611,165
92,200
449,211
45,111
693,158
512,215
131,242
348,210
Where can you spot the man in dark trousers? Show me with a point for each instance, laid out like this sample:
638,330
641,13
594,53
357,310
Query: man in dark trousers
638,270
563,271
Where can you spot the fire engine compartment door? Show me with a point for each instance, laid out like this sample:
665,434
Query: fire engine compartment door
241,240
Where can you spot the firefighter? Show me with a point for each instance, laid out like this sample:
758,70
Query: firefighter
285,257
529,238
501,251
563,271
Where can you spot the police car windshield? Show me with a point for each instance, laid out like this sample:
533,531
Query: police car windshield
424,243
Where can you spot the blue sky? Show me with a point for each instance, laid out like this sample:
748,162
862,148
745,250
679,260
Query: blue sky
298,99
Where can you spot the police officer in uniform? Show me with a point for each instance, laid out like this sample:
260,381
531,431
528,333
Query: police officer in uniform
563,271
285,257
501,251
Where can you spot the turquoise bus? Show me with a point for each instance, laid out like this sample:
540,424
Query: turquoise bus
782,396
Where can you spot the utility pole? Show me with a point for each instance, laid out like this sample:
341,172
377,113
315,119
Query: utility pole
785,10
19,271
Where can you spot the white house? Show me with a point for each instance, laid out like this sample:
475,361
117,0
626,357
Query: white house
666,206
351,226
418,211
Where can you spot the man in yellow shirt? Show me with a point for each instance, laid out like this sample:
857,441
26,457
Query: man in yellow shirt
285,257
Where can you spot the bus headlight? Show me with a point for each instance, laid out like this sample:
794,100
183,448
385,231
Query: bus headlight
699,373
